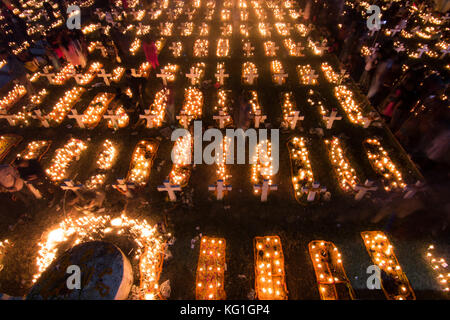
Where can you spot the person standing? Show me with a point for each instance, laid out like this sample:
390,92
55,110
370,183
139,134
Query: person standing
151,52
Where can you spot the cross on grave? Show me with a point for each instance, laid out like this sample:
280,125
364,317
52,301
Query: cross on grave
363,189
185,117
163,75
422,50
373,31
135,73
322,47
445,52
279,77
77,117
272,49
148,117
298,50
69,185
114,118
224,30
400,48
43,119
48,75
173,47
192,75
251,76
371,118
99,13
221,75
153,12
411,190
105,76
426,17
311,76
223,119
141,29
27,15
170,188
258,118
331,118
396,30
313,190
190,14
265,188
220,189
248,49
292,120
446,17
124,187
8,117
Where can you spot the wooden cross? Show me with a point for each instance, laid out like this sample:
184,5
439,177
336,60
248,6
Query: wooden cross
105,76
251,76
367,121
265,188
170,188
363,189
279,77
124,187
185,117
163,75
422,50
190,14
315,188
331,118
8,117
77,117
223,119
173,47
292,120
69,185
400,48
43,119
396,30
220,189
259,118
322,47
411,190
148,117
221,75
192,75
135,73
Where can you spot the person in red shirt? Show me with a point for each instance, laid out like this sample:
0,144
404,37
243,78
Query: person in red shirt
151,52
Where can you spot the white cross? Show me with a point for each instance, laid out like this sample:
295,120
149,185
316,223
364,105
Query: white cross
315,188
422,50
48,75
113,117
311,76
445,51
331,118
43,119
322,47
170,188
124,187
400,48
265,188
411,190
105,76
192,75
223,119
396,30
69,185
292,120
173,47
186,118
279,77
77,117
298,50
367,121
164,75
136,73
363,189
9,117
220,189
272,49
190,14
258,118
251,76
148,117
221,75
248,49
